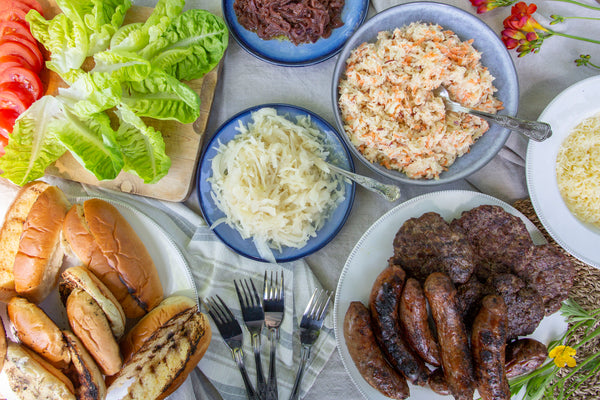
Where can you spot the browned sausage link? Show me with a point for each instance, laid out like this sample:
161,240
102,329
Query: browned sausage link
452,336
367,355
384,301
488,343
437,382
524,356
414,322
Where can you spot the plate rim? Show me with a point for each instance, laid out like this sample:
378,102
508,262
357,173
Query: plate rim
396,175
338,330
529,170
275,61
277,106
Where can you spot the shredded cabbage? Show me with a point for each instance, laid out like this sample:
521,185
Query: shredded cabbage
272,182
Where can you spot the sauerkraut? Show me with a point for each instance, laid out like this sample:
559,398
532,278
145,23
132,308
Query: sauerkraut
578,171
272,183
388,107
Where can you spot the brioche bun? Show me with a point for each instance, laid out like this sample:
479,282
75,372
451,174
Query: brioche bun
38,332
90,325
30,377
165,358
90,385
105,242
82,278
10,235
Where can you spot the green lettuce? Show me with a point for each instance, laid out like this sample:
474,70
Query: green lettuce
122,66
162,96
192,45
92,93
105,17
142,146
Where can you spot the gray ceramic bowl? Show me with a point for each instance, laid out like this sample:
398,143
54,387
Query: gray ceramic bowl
494,56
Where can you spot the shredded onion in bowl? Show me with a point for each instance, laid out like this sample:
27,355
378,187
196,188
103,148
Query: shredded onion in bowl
272,182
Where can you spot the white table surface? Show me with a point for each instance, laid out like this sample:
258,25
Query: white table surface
246,81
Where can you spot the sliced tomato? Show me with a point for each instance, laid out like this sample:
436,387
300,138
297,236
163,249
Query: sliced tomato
30,4
13,61
26,77
31,54
3,143
14,27
14,14
8,116
15,96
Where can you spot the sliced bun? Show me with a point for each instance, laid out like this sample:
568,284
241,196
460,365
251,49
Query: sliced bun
30,377
165,359
82,278
37,331
40,253
10,235
90,385
105,242
90,325
145,327
2,344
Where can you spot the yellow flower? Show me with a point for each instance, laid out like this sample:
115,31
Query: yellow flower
563,355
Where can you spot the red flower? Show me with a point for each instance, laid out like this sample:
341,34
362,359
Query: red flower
487,5
520,18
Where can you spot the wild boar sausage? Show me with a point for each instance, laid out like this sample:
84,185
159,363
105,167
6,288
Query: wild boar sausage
523,356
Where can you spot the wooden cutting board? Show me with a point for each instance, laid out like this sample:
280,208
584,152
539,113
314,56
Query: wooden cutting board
183,141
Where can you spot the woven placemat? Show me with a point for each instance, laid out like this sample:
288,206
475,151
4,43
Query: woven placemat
585,291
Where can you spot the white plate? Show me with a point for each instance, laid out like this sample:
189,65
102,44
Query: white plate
569,108
369,257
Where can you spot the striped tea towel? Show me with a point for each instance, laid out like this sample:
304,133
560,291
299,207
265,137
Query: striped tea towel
214,267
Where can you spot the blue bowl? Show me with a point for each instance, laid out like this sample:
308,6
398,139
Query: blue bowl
284,52
339,155
495,57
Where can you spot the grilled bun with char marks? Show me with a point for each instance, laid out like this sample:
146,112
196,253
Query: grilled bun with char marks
105,242
90,383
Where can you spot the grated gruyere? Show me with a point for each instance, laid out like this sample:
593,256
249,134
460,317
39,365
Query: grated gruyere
272,182
578,171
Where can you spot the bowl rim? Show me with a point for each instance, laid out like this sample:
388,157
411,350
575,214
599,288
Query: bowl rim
511,74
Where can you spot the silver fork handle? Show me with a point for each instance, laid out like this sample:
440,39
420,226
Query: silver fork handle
261,384
271,392
389,192
238,355
304,356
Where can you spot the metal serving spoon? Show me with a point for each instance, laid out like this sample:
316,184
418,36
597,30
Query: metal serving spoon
390,192
538,131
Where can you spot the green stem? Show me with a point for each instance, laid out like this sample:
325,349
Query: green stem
572,36
588,18
579,4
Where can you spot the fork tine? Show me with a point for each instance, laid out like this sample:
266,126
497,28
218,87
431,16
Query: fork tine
211,311
228,315
255,299
280,296
327,300
310,304
241,298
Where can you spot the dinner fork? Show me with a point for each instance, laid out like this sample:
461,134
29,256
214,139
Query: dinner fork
273,305
254,318
310,326
232,334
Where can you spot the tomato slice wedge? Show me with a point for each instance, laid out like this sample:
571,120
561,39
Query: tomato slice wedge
26,77
13,61
14,27
15,96
3,143
8,117
14,14
31,53
31,4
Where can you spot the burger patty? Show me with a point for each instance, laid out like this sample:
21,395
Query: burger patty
427,244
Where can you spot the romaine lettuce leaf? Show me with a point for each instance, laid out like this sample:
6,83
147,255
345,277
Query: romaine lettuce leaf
122,66
34,143
92,93
142,146
192,45
162,96
103,21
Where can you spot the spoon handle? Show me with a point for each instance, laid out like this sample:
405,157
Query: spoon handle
390,192
535,130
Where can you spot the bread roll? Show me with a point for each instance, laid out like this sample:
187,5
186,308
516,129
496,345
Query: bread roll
2,344
30,377
90,385
82,278
105,242
90,325
37,331
10,235
40,253
164,360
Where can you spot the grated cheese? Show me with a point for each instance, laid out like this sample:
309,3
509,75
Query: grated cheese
578,171
272,182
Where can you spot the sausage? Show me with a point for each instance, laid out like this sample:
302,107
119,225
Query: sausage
452,335
414,321
437,382
524,356
383,302
488,344
367,355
